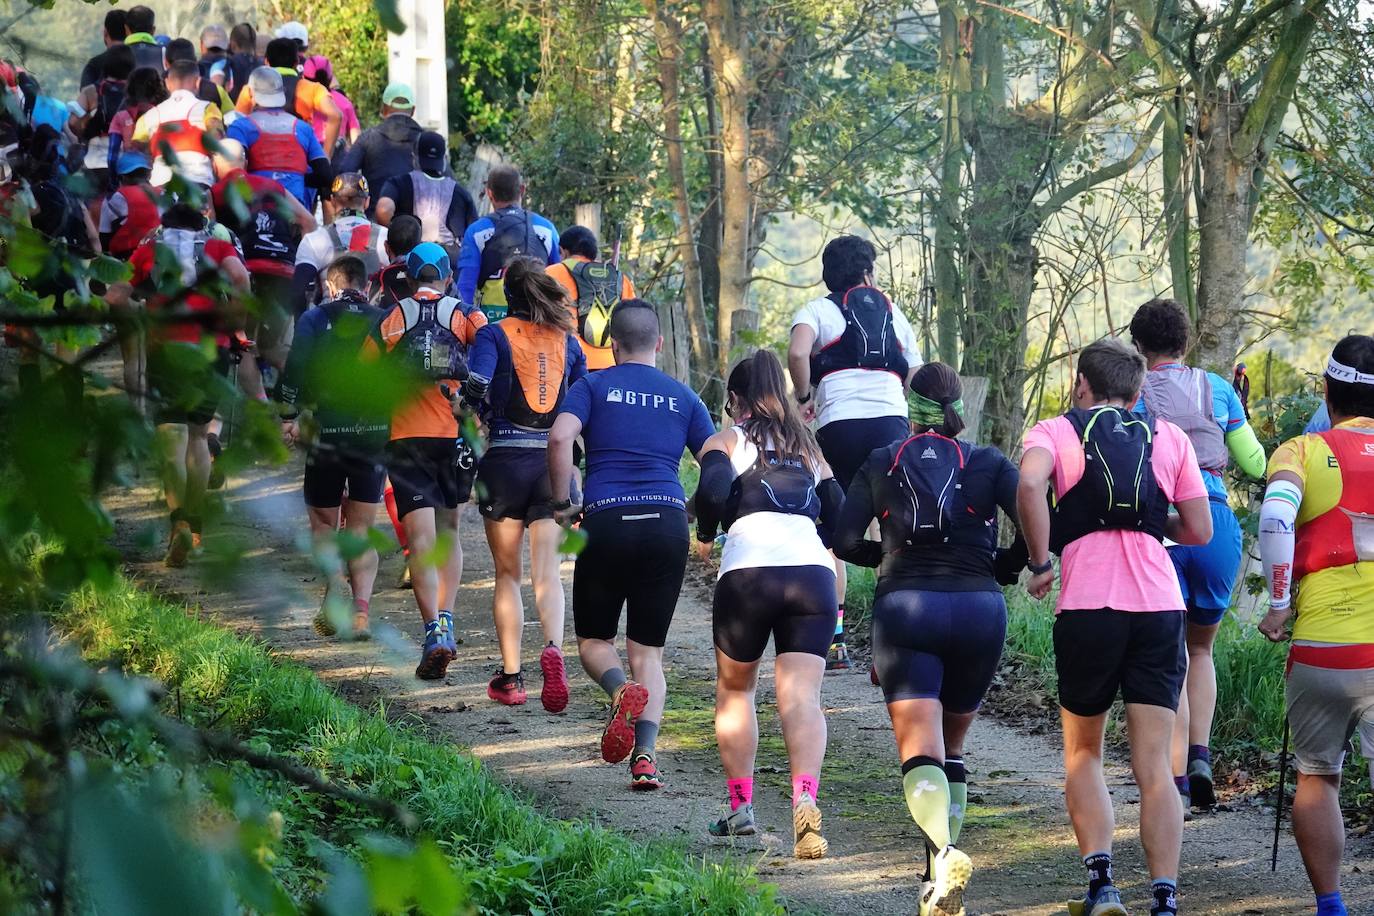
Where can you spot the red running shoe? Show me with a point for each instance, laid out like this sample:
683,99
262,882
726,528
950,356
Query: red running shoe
644,773
508,689
554,694
619,737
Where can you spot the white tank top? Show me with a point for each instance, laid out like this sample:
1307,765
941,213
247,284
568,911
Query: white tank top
769,538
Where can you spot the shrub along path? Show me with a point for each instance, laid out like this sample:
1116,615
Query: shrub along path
1017,832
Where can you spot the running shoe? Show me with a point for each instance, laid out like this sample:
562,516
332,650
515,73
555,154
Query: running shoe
180,545
322,624
943,895
806,829
197,544
404,581
837,659
554,693
644,773
362,631
1186,800
618,738
508,689
434,657
739,822
1106,903
1200,784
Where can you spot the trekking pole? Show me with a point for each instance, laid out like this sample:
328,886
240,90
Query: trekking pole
1278,808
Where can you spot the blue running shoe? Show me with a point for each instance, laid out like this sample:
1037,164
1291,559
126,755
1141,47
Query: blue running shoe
434,657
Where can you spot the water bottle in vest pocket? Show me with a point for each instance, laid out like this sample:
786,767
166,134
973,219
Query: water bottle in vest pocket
428,345
598,293
1118,488
925,482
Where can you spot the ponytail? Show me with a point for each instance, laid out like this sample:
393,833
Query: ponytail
937,400
535,296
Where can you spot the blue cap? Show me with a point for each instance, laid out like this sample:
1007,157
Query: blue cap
131,161
428,261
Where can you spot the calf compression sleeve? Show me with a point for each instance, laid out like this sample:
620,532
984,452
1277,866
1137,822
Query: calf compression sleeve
927,797
1245,448
1277,527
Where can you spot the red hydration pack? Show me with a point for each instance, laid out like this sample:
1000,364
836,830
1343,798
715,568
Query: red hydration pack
144,216
277,148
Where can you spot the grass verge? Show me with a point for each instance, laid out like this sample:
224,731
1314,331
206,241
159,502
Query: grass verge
512,858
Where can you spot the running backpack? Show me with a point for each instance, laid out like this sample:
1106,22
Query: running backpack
1118,488
869,339
362,243
1184,398
512,235
537,355
925,498
598,293
773,484
428,345
269,234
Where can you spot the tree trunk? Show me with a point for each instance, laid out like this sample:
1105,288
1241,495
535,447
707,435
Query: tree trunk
1223,233
730,69
668,32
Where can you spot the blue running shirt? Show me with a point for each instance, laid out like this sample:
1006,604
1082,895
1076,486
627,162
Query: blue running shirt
636,421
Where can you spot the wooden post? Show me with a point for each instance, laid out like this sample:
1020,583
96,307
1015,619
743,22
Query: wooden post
672,325
975,396
589,215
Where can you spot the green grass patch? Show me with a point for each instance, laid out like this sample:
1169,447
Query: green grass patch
510,857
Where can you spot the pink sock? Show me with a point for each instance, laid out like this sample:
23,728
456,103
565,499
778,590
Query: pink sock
741,792
804,783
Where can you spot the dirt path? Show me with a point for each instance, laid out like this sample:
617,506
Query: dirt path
1017,832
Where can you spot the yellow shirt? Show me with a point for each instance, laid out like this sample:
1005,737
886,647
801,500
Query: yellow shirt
1334,605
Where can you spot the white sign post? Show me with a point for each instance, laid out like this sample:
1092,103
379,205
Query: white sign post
417,58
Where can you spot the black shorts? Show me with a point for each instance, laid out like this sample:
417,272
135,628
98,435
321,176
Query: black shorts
429,473
328,471
272,330
846,444
795,605
514,483
1098,652
635,558
938,645
185,387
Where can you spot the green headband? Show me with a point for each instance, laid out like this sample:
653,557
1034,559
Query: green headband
925,412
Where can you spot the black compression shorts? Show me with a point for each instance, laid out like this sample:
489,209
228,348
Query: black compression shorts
635,558
938,645
514,483
1098,652
846,444
429,473
328,471
796,605
185,388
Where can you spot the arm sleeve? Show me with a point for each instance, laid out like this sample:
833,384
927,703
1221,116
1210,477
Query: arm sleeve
713,491
289,390
1245,448
469,261
832,502
481,367
850,541
699,425
1277,535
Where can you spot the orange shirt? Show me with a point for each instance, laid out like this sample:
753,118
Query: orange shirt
597,357
428,415
310,96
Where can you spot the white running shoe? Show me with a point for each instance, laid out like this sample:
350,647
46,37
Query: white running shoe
944,894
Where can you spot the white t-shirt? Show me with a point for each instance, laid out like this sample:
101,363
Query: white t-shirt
317,248
769,538
856,394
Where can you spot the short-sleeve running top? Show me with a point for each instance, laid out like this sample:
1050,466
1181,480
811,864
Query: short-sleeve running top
636,421
1114,568
1335,605
856,394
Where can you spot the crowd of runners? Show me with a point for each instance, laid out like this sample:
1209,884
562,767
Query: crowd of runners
277,245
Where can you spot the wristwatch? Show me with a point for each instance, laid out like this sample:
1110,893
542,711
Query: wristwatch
1042,568
807,397
560,505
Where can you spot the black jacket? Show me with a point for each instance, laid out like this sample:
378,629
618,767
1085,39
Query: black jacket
381,153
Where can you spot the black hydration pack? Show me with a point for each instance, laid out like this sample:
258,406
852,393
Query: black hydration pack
773,484
598,293
925,499
869,340
1118,488
428,346
512,235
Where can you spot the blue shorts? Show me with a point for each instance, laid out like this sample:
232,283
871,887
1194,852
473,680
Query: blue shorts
1207,572
938,645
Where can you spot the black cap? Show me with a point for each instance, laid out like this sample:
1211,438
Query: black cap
431,152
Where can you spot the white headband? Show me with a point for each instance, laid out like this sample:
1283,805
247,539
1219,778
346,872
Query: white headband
1342,373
